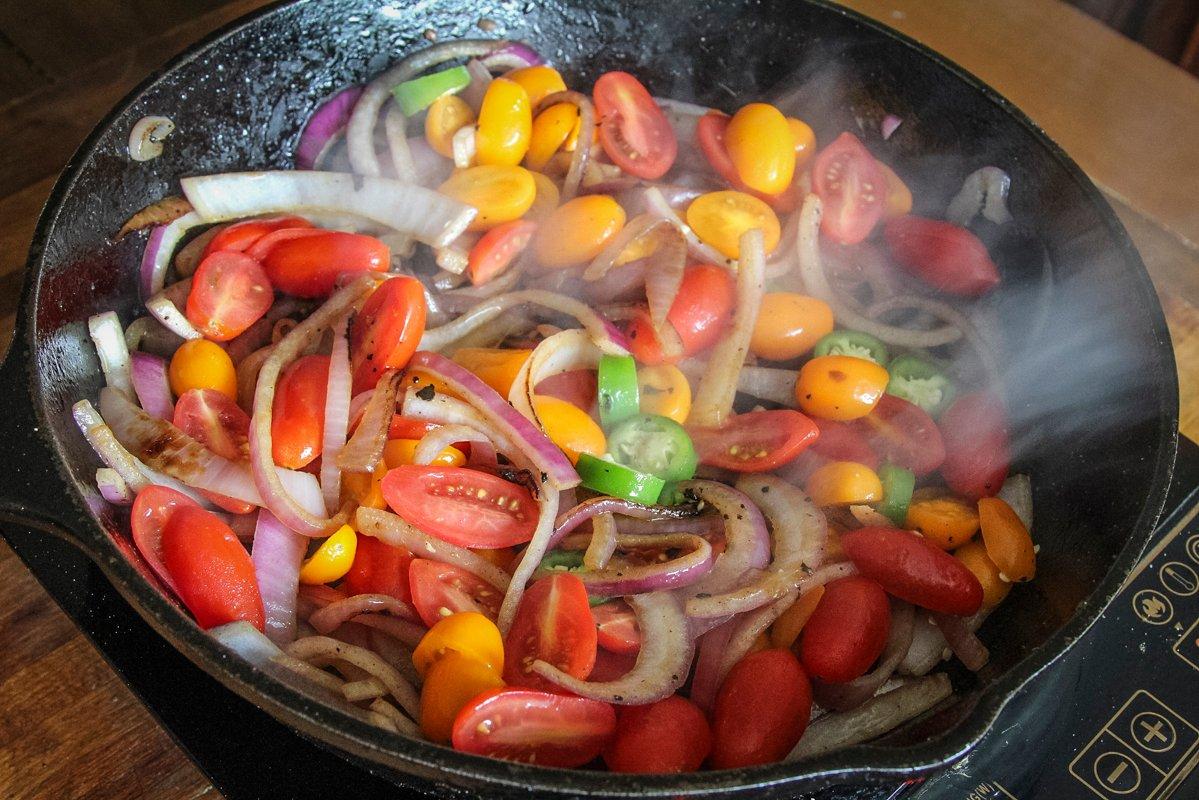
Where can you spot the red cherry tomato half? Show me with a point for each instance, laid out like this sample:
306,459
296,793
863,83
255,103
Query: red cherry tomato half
710,133
497,248
551,730
976,445
379,568
309,265
669,736
230,292
913,569
239,236
761,710
409,428
218,423
852,188
609,666
387,330
755,442
152,508
439,590
848,630
634,132
843,441
700,314
553,624
462,506
212,571
577,387
902,433
298,413
616,628
943,255
260,248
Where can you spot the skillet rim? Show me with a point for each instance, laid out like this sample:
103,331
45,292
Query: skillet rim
363,742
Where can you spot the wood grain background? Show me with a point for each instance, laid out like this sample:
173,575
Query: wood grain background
68,727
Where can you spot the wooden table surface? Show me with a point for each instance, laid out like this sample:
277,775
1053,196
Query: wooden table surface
68,727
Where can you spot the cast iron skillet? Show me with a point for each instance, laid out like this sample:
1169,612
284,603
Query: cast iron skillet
1092,394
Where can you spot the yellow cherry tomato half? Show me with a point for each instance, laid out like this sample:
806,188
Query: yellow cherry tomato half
364,488
569,427
495,366
1007,541
844,483
467,632
398,452
805,140
446,116
719,219
789,325
578,230
664,391
201,364
974,556
500,193
551,130
539,82
762,148
505,124
899,196
332,560
450,684
840,387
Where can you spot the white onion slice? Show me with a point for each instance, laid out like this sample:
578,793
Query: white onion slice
464,145
113,487
655,203
156,258
145,140
167,313
985,190
337,416
109,338
277,553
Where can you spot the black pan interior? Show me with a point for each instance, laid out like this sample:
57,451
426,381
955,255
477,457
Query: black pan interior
1092,391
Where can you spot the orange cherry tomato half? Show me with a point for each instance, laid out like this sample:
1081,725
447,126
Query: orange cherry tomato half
211,569
309,266
439,590
239,236
298,413
840,388
387,331
462,506
218,423
761,710
634,131
230,292
852,188
669,736
758,441
550,730
498,248
553,624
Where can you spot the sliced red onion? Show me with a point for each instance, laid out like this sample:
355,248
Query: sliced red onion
747,542
961,639
662,663
535,550
110,451
799,534
655,203
603,544
581,156
480,79
396,127
872,719
713,400
405,631
165,447
148,334
765,383
590,509
274,495
888,125
435,441
156,258
337,416
564,351
431,217
985,190
146,137
113,487
464,145
398,532
363,452
329,120
513,55
745,630
453,259
431,167
545,456
451,411
151,384
816,284
335,614
663,269
850,695
622,577
109,339
277,553
1017,493
166,312
602,332
708,663
360,131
